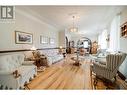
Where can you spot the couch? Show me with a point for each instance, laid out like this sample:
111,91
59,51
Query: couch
13,64
52,55
100,56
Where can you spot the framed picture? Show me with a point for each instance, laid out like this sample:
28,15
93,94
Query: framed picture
52,41
44,40
23,38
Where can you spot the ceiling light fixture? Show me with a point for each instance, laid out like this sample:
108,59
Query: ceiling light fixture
73,28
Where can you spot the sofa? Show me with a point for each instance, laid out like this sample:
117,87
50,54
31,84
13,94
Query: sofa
99,56
52,55
15,72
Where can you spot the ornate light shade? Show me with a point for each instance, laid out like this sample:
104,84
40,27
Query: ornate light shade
73,28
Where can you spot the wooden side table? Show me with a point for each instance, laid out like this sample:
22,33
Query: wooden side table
43,61
40,62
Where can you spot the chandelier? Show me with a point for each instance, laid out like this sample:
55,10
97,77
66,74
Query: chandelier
73,28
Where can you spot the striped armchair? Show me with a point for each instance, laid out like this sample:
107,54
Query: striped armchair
109,70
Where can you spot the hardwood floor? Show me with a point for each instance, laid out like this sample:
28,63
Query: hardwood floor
64,75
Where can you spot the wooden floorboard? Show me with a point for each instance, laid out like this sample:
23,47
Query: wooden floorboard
63,75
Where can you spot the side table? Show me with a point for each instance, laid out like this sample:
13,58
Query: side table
43,61
40,62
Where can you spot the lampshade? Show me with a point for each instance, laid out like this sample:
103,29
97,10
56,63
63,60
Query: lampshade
33,48
61,47
74,29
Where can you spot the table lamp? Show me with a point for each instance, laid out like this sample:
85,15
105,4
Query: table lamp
60,49
33,50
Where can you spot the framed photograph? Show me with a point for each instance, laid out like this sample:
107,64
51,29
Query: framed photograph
44,40
23,38
52,41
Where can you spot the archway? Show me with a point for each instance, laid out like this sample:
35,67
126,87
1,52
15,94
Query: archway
84,42
80,44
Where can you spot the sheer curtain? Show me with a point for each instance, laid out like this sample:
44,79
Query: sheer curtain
102,39
115,34
99,40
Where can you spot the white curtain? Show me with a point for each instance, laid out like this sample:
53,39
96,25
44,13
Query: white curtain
102,39
99,40
115,34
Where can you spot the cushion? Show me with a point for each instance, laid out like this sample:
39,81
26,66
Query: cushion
102,61
102,55
28,63
23,70
52,52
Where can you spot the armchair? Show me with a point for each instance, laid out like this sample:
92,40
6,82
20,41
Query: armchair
109,70
12,65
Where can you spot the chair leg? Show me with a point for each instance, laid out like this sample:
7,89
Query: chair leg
26,86
95,82
109,84
115,78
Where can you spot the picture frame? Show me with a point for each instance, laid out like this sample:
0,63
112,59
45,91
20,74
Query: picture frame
52,41
44,40
23,37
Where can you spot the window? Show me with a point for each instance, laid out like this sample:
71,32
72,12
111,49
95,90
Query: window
85,44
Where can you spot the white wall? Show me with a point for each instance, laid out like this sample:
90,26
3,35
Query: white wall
62,40
26,22
67,34
123,41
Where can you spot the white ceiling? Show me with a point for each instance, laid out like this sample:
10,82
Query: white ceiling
90,19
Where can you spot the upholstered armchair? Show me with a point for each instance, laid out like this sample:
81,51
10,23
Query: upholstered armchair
15,72
109,70
100,55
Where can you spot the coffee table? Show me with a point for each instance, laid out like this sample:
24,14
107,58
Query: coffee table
77,62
